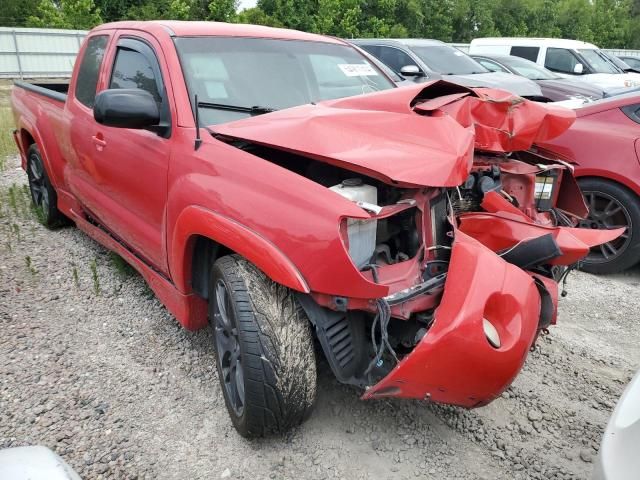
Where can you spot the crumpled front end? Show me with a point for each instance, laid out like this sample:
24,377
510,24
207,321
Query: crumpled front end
453,234
455,362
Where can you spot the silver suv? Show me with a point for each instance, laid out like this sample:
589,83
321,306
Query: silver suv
421,60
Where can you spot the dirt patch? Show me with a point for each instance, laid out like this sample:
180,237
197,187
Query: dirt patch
107,378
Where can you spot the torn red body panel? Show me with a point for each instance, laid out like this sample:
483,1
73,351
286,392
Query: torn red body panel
499,232
454,363
380,135
501,121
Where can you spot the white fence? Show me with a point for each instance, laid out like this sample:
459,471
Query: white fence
50,53
38,52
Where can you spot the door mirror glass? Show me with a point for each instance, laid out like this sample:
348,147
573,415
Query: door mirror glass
578,68
126,108
411,71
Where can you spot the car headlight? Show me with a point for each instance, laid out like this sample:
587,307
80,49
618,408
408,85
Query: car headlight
359,237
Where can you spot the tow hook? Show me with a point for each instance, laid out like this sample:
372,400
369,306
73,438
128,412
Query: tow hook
542,332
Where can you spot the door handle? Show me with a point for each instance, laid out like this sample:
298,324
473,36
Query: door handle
99,142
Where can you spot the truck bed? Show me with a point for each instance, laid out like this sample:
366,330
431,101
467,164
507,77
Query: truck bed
55,91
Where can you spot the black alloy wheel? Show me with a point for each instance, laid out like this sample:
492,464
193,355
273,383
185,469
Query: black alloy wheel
611,206
228,348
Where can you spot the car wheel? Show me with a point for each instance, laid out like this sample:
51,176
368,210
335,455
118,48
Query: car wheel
611,206
43,195
264,349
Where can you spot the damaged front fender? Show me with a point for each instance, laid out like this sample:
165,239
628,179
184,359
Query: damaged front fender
454,362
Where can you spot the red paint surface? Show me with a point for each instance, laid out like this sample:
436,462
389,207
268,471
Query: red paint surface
603,142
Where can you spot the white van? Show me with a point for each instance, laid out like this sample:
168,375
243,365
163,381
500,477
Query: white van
566,57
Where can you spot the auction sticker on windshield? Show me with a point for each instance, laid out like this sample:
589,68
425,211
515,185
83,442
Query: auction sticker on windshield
357,69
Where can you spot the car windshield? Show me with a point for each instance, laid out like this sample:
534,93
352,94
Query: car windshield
528,69
618,62
447,60
597,61
240,77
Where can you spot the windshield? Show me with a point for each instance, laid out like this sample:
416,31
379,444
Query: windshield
447,60
271,74
528,69
598,62
621,64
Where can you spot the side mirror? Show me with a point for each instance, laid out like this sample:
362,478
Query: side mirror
411,71
126,108
578,69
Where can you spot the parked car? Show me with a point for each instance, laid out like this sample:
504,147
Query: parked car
554,87
584,61
633,62
621,64
241,170
422,60
604,143
618,458
34,463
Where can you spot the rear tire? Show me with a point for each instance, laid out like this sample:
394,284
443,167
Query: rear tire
611,205
264,349
43,195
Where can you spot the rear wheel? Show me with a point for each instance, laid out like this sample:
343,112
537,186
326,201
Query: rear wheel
43,194
611,206
264,349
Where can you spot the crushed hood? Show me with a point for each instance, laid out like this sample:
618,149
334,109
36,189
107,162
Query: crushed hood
419,135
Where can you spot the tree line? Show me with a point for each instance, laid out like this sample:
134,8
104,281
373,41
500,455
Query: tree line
607,23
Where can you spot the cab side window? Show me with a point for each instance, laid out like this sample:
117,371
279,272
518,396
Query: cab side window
132,69
89,70
560,60
395,58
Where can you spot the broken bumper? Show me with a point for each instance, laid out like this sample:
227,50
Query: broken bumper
454,362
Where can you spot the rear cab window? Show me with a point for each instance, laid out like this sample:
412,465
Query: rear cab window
89,71
530,53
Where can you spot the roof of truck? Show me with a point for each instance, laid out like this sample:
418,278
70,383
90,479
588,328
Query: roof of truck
410,42
197,29
549,42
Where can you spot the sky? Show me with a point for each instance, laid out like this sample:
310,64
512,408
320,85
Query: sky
247,4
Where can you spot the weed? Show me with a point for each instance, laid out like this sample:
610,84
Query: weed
122,267
15,229
7,145
30,266
94,276
76,278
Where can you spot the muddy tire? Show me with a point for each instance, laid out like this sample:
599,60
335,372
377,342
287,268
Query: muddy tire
611,205
43,195
264,349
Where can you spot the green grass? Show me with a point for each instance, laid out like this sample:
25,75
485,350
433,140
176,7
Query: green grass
121,266
94,276
7,144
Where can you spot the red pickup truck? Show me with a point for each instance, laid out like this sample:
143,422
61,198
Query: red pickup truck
277,184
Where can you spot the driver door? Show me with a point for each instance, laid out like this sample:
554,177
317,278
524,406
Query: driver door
130,166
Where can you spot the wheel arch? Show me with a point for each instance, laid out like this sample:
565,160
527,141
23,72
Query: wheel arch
201,235
609,176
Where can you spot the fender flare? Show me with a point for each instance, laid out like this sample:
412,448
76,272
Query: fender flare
608,175
37,139
196,221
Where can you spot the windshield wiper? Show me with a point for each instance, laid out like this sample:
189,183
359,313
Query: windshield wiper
255,110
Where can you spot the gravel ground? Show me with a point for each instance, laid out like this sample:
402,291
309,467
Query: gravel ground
95,368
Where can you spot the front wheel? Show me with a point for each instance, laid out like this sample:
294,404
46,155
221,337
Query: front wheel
264,349
611,206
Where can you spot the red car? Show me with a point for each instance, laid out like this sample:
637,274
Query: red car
604,146
237,170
